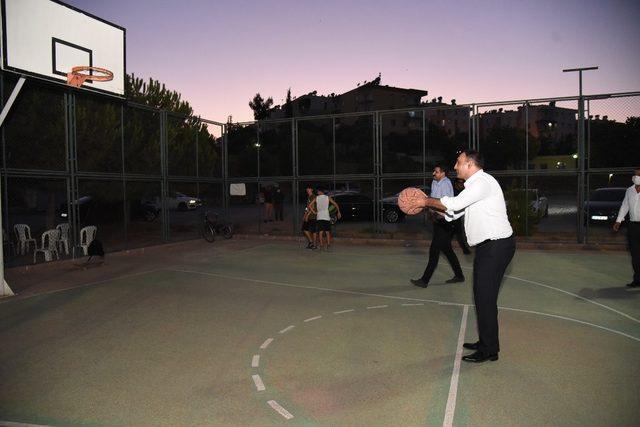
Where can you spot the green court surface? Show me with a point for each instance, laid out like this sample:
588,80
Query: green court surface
252,333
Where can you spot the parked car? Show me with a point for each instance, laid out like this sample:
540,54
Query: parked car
603,205
89,211
539,204
182,202
355,206
85,205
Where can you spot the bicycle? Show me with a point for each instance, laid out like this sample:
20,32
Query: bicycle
212,227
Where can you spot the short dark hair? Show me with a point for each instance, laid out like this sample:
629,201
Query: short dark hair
637,169
442,168
475,156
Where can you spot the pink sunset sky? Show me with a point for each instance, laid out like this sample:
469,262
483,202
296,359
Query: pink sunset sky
218,54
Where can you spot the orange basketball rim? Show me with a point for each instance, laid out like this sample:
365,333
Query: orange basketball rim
80,74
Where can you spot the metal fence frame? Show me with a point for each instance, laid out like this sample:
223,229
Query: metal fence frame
73,175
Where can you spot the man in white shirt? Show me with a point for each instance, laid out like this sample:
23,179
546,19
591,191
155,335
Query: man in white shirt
488,229
320,207
631,205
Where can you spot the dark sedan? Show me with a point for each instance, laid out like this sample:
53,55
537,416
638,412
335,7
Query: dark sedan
604,204
356,206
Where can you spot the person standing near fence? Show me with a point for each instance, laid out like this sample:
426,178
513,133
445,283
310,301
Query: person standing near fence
320,207
278,199
309,220
488,229
442,233
268,204
631,206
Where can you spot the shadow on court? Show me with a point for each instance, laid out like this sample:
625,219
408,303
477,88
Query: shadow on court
248,332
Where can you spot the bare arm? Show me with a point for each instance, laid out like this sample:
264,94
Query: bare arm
333,202
311,205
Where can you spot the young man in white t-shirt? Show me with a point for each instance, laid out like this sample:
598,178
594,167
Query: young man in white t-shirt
320,207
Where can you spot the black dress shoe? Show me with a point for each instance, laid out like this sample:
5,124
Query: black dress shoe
633,285
479,357
419,282
455,279
471,345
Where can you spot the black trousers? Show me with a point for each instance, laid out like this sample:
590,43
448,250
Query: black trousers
278,211
491,261
442,234
458,231
633,234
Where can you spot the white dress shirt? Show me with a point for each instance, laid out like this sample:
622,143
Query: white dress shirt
441,188
484,209
630,205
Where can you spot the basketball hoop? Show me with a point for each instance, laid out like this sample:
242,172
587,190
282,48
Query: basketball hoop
79,75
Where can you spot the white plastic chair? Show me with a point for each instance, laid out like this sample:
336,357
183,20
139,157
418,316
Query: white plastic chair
87,234
64,237
23,237
49,245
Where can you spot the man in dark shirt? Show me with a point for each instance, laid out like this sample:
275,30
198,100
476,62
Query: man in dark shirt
309,220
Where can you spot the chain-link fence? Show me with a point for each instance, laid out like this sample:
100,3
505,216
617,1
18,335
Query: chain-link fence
144,176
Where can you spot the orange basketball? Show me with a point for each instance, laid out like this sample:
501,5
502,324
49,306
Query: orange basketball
410,200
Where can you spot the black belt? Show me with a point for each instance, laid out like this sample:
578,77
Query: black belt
484,242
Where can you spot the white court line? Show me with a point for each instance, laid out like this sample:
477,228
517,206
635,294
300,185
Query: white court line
531,282
287,329
311,319
289,285
570,320
377,306
266,343
258,382
84,285
409,304
279,409
344,311
255,362
399,298
568,293
455,375
15,424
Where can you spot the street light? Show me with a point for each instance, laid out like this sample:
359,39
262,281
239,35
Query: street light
579,70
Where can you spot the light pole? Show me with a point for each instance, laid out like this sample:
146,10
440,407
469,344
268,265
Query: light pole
582,151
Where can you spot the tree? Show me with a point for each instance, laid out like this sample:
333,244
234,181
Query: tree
614,144
156,95
183,129
260,107
288,106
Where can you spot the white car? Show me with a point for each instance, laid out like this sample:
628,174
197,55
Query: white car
539,204
182,202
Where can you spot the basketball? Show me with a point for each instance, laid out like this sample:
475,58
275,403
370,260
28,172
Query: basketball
410,200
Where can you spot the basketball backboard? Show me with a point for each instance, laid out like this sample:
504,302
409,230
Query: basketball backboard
47,38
